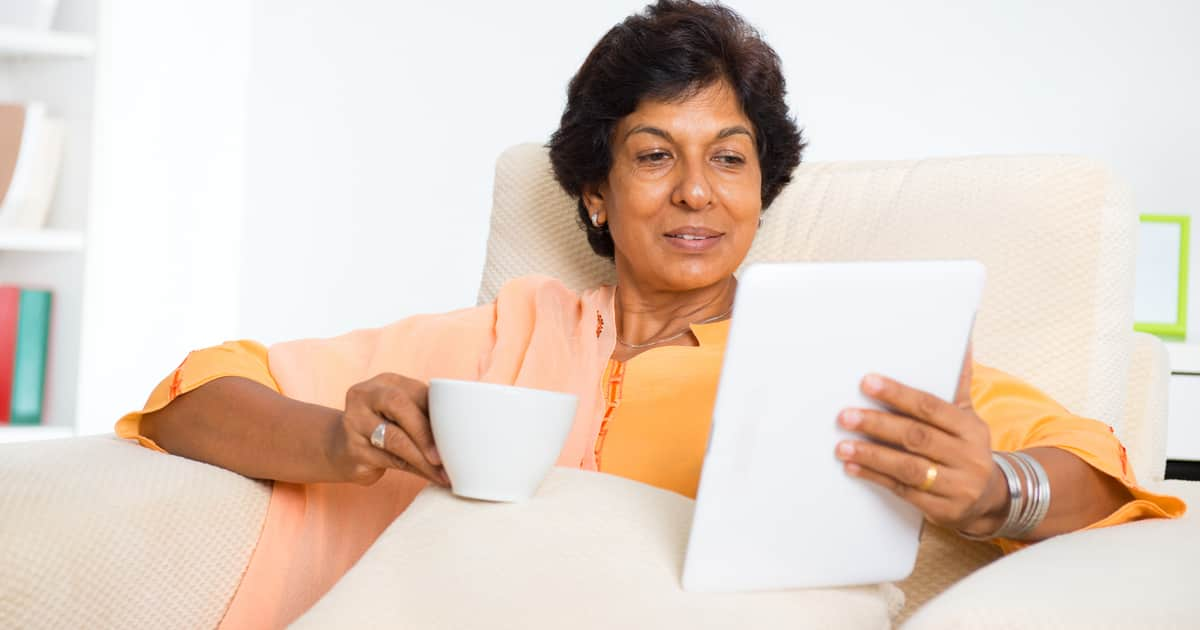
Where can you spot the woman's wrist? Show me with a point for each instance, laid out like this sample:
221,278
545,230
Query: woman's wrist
995,504
1028,497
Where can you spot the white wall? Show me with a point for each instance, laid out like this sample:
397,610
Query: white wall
374,125
164,225
362,184
373,135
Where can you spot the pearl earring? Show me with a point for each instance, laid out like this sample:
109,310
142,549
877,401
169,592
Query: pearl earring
596,219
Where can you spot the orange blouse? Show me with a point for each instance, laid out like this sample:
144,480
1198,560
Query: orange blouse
659,409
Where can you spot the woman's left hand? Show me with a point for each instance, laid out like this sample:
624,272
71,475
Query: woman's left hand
934,454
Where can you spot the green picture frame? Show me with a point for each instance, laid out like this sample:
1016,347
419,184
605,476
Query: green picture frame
1176,330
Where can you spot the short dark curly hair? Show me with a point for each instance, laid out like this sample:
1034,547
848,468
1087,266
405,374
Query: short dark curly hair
670,51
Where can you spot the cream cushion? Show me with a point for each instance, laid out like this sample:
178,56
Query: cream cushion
102,533
1055,233
590,550
1137,575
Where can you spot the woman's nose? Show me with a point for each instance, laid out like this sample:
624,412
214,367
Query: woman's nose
692,189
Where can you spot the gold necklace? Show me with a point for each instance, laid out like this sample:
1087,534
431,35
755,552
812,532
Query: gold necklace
655,342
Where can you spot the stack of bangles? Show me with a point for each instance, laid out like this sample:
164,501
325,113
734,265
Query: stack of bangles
1028,495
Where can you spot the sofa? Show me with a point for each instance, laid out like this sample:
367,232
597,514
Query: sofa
99,532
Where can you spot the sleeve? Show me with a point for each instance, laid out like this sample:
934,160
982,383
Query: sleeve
247,359
1020,416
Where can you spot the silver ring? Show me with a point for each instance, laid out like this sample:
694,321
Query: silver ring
378,435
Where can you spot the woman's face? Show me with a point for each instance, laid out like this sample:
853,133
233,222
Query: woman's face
683,198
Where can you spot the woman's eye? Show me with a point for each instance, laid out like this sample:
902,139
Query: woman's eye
730,160
655,157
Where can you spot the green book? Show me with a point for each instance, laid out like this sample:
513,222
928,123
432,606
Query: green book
29,366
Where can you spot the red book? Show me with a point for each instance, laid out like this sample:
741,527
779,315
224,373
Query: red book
10,304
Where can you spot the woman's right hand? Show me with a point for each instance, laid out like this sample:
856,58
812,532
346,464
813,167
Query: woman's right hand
401,402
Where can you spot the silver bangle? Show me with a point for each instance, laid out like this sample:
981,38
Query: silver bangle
1017,494
1028,495
1021,526
1039,497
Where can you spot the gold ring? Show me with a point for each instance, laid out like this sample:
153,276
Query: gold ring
931,474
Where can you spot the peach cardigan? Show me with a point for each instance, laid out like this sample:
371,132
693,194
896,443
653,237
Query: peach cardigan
537,334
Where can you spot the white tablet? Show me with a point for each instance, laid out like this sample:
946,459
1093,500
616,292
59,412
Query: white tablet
775,509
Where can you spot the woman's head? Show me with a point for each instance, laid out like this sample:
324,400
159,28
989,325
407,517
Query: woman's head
676,120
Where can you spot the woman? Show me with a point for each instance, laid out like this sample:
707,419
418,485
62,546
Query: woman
675,140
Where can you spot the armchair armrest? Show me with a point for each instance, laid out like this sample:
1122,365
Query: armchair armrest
99,532
1137,575
1143,430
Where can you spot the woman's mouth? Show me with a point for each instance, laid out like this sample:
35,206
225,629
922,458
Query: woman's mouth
693,239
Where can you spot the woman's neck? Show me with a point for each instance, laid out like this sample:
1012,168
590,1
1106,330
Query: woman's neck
646,315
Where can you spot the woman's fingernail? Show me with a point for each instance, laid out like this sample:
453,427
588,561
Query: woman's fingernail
845,450
873,383
853,468
435,457
851,418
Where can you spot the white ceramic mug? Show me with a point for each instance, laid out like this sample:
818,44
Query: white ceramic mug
498,442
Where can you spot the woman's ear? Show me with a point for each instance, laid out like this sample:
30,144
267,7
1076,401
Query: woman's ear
593,200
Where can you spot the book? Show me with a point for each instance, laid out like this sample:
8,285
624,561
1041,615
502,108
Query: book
12,126
10,305
32,115
31,211
31,146
29,366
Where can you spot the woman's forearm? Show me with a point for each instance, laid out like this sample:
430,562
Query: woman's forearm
246,427
1079,495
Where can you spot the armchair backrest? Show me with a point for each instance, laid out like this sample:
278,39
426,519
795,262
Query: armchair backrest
1056,233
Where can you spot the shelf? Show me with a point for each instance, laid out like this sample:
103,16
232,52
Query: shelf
1185,357
17,42
10,433
40,240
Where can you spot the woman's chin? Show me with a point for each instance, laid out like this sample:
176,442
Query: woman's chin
684,271
697,275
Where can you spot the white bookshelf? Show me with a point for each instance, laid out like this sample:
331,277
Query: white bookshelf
17,42
46,240
1183,406
56,67
1184,357
33,434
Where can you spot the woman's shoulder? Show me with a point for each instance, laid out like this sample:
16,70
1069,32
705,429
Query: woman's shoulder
536,285
538,297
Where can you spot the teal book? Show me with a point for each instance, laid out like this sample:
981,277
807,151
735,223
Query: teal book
29,365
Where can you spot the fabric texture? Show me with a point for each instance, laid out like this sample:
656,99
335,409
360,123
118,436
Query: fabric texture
99,533
1056,233
1139,575
1145,434
943,558
556,561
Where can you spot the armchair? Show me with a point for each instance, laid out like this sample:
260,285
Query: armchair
97,532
